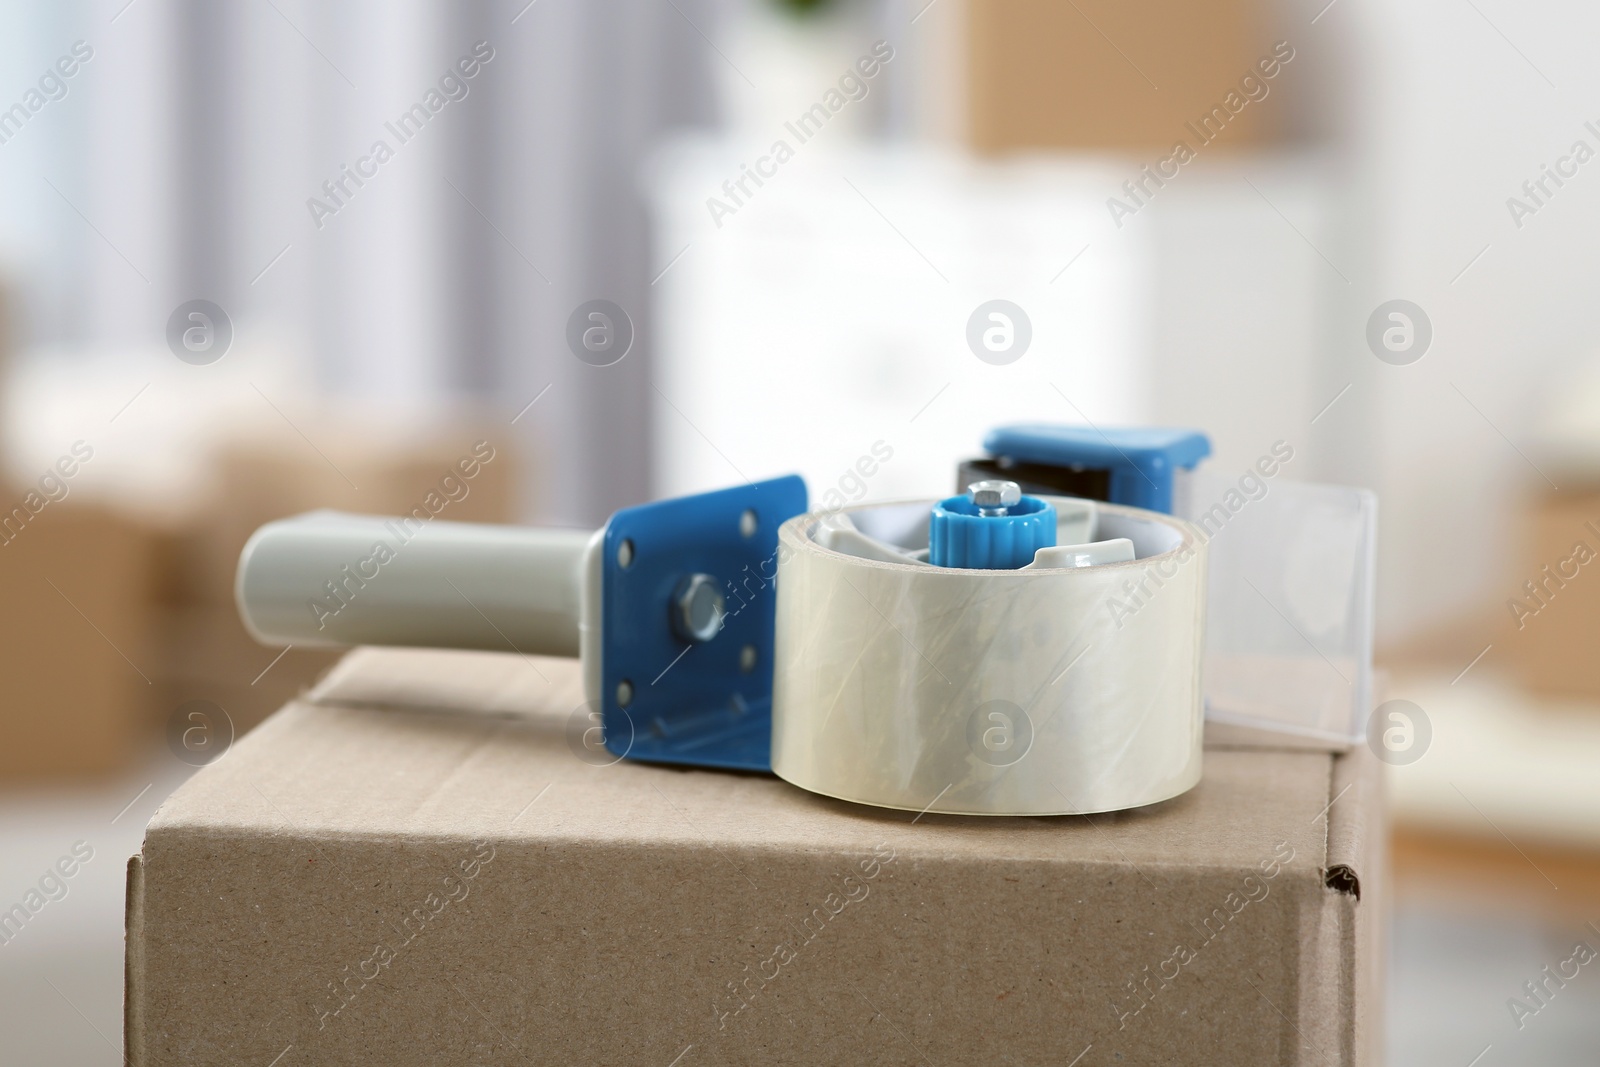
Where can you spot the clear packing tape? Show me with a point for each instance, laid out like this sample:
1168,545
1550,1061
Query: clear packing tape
1029,692
1289,621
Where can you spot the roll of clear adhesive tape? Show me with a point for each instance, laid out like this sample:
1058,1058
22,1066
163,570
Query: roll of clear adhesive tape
1068,686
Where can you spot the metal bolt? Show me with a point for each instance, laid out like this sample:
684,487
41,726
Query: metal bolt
697,608
993,497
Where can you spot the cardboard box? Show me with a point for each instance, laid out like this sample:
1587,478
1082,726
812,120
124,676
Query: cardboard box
415,866
1550,620
204,652
379,472
75,648
1105,74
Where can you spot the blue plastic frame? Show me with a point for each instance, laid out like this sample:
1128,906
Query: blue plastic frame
1141,461
693,703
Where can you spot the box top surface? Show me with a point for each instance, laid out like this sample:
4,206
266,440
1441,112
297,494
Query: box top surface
412,865
408,744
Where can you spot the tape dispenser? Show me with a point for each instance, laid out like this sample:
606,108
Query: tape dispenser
963,655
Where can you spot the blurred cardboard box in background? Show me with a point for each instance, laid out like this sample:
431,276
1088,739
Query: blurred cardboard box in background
120,604
206,652
367,470
76,581
1104,74
1553,610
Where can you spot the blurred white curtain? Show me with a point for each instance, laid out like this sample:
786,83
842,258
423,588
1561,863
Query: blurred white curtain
180,164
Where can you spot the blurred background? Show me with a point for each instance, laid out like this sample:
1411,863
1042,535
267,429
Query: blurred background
261,256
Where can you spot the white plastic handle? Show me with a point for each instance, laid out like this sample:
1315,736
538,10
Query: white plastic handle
327,578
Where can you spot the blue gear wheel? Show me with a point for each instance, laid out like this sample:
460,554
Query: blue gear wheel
979,531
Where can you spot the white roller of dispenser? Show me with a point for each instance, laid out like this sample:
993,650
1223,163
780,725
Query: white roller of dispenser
1038,691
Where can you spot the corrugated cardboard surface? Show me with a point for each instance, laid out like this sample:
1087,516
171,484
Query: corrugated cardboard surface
362,882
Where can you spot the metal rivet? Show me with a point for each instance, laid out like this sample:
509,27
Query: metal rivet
697,608
625,554
748,523
747,658
624,693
